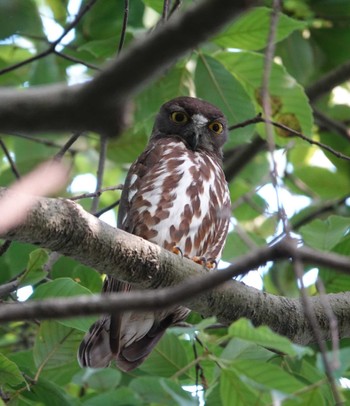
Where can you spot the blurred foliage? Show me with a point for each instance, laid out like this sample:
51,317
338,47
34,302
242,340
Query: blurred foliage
241,365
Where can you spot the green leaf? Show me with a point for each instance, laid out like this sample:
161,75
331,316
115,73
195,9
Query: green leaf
34,271
287,95
127,147
243,349
342,355
337,143
65,287
119,397
55,345
59,9
305,371
98,379
161,391
168,357
10,375
47,393
331,8
157,5
251,31
325,234
217,85
233,391
19,16
298,56
266,376
333,281
236,246
100,48
262,335
333,185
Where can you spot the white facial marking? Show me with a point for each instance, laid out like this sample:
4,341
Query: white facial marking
199,120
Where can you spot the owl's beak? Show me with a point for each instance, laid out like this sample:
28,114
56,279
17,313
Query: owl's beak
193,139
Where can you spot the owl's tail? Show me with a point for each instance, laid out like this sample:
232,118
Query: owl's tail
130,346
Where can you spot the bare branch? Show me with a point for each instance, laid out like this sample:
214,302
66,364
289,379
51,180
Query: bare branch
328,82
311,316
124,26
324,121
59,155
132,259
9,159
96,104
100,172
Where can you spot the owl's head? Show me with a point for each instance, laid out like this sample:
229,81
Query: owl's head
199,124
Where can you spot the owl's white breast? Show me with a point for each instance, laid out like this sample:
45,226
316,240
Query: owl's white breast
175,174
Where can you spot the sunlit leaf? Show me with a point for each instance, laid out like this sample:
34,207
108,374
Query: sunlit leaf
248,69
167,358
251,31
262,335
325,234
65,287
35,272
217,85
55,345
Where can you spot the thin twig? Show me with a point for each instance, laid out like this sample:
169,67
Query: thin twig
176,5
7,288
333,323
105,209
42,141
76,60
332,125
259,119
309,140
97,192
254,120
53,44
10,160
124,26
268,60
328,206
165,13
310,315
66,146
329,81
4,247
100,172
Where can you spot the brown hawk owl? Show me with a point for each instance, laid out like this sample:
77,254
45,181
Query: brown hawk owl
175,195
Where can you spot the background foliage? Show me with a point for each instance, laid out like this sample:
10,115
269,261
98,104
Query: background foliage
239,365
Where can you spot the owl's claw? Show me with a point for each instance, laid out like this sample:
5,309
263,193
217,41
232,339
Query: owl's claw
178,251
208,264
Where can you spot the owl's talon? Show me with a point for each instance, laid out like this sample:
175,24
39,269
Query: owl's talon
178,251
208,264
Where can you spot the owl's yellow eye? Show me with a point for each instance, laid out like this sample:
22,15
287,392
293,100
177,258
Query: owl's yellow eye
216,127
179,117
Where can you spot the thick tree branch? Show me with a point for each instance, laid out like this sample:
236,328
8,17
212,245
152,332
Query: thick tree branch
328,82
100,105
146,265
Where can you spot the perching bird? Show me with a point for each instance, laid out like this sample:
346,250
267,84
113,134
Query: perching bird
175,195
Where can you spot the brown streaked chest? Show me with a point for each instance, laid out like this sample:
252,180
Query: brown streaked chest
171,194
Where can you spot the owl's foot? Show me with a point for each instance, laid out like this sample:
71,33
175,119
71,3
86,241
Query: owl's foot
208,264
178,251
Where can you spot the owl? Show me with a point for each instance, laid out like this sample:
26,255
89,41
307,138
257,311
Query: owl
175,195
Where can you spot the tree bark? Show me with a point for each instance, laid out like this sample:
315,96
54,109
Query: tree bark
63,226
